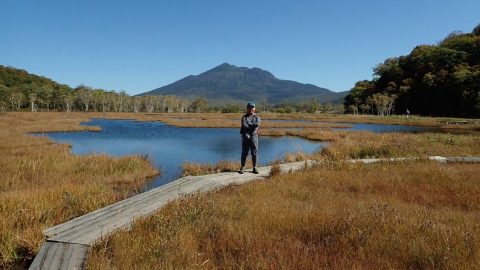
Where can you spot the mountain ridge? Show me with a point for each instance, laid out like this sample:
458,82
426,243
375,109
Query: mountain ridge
228,83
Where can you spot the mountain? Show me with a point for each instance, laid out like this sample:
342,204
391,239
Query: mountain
231,84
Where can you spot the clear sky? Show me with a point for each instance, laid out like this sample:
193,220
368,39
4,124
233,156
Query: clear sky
141,45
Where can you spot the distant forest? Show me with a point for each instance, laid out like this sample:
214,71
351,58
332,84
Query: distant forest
22,91
434,80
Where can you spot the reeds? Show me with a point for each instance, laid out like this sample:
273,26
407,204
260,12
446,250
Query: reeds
190,168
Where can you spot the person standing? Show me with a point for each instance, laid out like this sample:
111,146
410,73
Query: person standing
249,133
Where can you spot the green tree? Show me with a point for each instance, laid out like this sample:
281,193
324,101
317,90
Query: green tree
199,105
432,80
84,95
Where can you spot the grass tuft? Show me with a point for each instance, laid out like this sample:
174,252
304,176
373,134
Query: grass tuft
189,168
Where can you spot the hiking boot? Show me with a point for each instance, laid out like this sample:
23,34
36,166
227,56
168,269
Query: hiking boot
255,170
241,170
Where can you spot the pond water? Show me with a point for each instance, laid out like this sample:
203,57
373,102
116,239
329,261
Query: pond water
169,146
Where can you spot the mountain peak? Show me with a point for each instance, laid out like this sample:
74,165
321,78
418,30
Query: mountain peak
226,65
223,67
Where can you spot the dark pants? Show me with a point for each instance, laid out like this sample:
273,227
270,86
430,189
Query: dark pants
252,146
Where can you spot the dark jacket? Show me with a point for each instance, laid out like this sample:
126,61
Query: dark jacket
249,126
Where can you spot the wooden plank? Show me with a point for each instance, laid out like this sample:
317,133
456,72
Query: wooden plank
55,255
41,255
112,212
96,230
78,258
120,204
464,159
102,226
51,251
67,255
111,209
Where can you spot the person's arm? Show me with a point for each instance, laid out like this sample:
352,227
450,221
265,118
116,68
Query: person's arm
256,121
256,124
243,125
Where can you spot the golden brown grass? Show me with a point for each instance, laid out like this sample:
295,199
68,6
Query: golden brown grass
190,168
412,215
362,144
43,184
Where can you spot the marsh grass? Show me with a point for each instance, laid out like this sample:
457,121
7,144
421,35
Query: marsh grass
42,184
190,168
362,144
275,170
408,215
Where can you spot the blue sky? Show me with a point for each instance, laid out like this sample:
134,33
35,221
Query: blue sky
140,45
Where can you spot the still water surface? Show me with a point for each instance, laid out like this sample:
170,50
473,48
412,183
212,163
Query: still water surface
169,146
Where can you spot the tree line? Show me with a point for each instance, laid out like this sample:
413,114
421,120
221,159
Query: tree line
435,80
20,90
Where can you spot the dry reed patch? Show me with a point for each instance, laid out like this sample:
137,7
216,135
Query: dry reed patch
362,144
368,145
340,216
43,184
190,168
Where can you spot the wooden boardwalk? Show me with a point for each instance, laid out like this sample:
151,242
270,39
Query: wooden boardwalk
56,255
67,244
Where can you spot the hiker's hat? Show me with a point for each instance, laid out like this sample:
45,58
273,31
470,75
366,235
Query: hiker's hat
250,104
